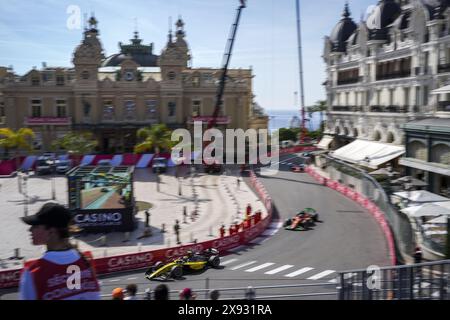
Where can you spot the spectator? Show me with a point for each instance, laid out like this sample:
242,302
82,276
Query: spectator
222,231
117,294
250,293
131,292
418,255
50,226
187,294
177,228
148,294
214,295
248,211
161,292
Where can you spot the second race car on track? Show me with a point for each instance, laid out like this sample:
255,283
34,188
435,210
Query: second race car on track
192,261
303,220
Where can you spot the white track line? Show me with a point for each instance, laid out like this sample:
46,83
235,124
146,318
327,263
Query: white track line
228,262
243,265
298,272
265,265
321,275
285,267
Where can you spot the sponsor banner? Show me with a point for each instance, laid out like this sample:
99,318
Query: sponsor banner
143,260
10,278
105,220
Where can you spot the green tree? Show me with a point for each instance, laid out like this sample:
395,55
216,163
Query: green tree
288,134
16,140
320,106
157,138
76,143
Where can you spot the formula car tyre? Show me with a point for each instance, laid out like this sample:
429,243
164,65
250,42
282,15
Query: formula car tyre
214,261
287,223
176,272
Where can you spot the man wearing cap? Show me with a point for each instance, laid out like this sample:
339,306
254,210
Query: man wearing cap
63,273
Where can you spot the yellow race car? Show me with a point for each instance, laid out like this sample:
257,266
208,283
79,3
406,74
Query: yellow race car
192,261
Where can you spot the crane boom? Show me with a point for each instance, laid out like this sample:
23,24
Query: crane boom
225,63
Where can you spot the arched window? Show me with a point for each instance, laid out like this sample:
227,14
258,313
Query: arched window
346,131
417,150
390,137
440,154
377,136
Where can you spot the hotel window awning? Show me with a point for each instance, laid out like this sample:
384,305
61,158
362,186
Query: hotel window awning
368,153
325,142
445,89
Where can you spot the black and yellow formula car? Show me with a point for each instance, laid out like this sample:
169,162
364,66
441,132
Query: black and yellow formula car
192,261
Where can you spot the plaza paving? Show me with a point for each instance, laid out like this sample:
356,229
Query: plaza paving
217,198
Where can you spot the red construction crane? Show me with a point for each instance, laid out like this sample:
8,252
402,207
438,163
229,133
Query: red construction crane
223,78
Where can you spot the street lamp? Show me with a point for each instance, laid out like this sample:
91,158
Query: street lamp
157,180
25,193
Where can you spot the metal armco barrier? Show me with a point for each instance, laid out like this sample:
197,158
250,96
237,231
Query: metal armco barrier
239,293
425,281
366,203
137,261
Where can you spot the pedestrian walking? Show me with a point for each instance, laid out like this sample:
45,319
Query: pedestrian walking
177,228
147,218
184,214
238,183
50,226
131,291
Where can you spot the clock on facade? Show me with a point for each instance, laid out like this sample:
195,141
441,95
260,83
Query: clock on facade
129,76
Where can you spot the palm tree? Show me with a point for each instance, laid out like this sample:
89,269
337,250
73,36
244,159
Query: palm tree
320,106
16,140
157,137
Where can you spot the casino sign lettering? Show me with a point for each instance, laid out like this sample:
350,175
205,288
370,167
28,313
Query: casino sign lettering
98,218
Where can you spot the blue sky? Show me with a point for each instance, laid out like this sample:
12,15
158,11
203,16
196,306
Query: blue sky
35,31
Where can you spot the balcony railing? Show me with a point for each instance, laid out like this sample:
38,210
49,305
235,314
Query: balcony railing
444,68
394,75
33,121
348,81
443,106
205,119
390,109
347,108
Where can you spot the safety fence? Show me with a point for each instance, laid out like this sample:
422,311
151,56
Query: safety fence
142,260
374,210
425,281
284,292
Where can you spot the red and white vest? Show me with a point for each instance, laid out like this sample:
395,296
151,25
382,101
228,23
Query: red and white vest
50,280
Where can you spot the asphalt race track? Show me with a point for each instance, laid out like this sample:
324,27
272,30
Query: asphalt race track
347,237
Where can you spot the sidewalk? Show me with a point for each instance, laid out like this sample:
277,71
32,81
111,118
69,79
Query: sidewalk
216,197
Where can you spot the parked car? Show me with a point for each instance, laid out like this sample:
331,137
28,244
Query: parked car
44,165
104,162
159,165
62,166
